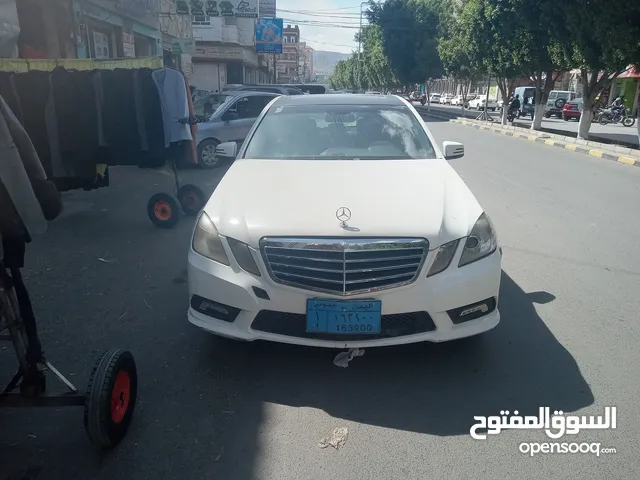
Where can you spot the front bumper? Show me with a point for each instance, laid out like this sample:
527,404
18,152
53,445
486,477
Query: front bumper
227,301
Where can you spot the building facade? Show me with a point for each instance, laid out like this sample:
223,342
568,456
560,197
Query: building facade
177,37
46,29
118,28
288,67
225,52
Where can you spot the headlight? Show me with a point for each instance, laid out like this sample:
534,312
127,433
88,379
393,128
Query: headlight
443,258
243,256
481,242
206,240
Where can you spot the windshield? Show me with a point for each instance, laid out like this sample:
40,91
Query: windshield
207,106
358,132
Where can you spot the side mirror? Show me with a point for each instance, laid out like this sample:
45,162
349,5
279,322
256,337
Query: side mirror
452,150
230,115
227,150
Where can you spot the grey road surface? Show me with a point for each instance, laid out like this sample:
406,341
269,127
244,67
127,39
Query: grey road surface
212,409
614,133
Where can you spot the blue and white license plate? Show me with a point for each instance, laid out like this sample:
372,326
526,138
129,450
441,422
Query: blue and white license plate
346,317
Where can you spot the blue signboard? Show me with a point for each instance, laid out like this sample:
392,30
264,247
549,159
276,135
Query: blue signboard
269,35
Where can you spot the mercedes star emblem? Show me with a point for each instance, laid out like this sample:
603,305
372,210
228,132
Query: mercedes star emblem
343,214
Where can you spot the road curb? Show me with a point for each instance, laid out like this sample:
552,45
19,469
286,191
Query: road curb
553,141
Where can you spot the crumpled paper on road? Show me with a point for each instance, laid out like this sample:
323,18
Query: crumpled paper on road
336,440
343,358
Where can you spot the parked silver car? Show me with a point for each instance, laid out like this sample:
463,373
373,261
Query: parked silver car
226,117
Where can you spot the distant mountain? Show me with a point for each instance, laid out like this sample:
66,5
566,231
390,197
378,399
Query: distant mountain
323,62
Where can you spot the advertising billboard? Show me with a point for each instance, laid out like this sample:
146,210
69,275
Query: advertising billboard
269,35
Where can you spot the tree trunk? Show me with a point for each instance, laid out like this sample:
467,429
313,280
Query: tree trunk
542,94
585,121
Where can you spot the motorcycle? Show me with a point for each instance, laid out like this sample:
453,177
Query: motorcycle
512,114
611,115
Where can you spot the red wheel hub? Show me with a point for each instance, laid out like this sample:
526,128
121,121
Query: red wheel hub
120,396
162,210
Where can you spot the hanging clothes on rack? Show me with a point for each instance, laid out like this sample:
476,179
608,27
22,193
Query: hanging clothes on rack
175,108
33,91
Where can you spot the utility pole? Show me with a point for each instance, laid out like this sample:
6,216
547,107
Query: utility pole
360,45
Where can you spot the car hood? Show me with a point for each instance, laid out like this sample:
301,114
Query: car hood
387,198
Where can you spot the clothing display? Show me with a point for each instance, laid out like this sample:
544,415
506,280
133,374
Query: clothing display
81,122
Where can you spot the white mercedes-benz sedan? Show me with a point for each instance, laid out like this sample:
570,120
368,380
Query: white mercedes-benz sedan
341,224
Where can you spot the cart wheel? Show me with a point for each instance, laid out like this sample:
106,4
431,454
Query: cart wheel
110,398
191,199
163,210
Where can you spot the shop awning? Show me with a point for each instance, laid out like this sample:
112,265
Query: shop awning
631,72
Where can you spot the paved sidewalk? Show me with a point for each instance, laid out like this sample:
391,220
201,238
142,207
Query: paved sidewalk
616,153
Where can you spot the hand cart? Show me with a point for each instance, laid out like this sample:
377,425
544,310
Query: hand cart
110,398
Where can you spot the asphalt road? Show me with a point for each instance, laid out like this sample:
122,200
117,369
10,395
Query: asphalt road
616,133
212,409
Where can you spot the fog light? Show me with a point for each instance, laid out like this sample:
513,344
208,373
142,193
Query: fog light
472,311
214,309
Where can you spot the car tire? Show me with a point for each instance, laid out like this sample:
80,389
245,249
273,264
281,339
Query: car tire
566,119
493,109
206,153
547,115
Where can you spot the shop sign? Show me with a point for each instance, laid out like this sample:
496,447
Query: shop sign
214,8
128,45
267,8
219,53
185,46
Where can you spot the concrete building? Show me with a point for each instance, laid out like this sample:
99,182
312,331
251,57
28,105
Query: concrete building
225,52
117,28
46,29
177,37
292,54
308,72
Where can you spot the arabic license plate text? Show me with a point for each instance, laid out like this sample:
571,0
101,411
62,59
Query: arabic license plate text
344,316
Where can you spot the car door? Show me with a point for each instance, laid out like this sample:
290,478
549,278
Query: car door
241,116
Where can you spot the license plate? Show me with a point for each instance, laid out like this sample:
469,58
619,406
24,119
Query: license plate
346,317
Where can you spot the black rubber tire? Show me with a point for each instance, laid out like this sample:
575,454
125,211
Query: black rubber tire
191,199
163,210
547,115
103,431
423,101
201,146
566,119
560,103
628,121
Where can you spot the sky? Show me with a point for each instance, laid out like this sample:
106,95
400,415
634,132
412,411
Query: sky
324,24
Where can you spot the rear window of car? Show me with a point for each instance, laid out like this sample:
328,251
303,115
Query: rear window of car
339,132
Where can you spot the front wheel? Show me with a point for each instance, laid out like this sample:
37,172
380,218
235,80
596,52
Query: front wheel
111,398
163,210
628,121
207,153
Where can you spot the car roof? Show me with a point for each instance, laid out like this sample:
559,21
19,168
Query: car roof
339,99
250,93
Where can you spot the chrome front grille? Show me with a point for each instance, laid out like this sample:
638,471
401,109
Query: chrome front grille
344,266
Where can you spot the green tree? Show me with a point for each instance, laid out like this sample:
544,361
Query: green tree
370,69
455,49
602,39
410,30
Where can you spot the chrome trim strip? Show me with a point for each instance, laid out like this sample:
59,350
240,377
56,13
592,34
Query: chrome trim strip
345,246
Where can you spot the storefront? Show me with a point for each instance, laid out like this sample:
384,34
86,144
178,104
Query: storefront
111,32
215,66
628,85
